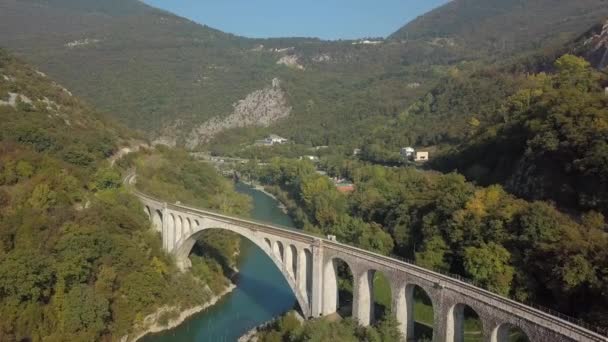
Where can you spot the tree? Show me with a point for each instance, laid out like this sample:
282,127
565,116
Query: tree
432,255
26,275
107,178
489,266
42,197
574,71
85,311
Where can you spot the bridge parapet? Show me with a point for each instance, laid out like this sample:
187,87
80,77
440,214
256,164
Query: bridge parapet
307,263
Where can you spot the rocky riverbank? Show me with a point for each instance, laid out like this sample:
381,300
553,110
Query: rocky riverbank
154,324
252,335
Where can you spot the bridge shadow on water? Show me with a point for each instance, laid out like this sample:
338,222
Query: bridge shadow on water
266,294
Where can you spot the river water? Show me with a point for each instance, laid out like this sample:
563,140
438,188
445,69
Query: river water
261,293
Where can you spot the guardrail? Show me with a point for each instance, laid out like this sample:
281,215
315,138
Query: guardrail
575,324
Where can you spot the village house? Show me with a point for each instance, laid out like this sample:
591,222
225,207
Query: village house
311,158
343,185
407,152
421,156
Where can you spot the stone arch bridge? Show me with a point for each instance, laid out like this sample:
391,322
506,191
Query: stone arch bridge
309,264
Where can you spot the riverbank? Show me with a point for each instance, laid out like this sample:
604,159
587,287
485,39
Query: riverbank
251,335
155,326
259,187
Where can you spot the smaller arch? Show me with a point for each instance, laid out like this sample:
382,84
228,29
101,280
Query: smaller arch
187,227
157,220
292,266
268,243
463,324
196,223
169,236
147,211
304,277
507,332
278,250
179,222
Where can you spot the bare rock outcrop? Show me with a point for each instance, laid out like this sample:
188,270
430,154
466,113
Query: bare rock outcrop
260,108
292,61
595,46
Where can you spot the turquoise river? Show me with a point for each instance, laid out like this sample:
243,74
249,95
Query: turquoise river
261,293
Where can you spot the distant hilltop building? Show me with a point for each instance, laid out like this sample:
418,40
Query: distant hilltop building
274,139
367,42
356,152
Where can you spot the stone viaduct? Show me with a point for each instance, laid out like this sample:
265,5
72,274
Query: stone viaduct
309,264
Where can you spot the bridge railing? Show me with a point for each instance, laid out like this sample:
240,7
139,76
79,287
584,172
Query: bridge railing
292,232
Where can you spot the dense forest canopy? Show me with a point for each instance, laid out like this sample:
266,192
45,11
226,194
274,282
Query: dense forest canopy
78,261
165,75
526,250
488,25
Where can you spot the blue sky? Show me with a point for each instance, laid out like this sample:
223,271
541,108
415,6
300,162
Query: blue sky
327,19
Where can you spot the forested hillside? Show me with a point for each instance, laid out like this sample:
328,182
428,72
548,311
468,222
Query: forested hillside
505,27
546,141
167,76
526,250
164,74
78,261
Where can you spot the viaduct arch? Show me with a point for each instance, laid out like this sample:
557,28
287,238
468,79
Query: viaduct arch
307,263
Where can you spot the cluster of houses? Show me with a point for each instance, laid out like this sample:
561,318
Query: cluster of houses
408,153
272,140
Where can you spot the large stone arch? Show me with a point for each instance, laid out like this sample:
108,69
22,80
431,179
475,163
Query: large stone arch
185,245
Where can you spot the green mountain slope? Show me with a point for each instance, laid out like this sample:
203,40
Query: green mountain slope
164,74
169,76
507,26
78,260
552,130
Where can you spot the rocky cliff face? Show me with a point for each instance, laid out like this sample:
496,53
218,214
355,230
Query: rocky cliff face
595,46
260,108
